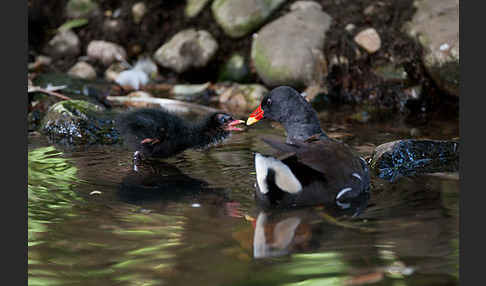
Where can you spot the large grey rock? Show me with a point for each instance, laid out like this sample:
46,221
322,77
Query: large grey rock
436,26
288,51
76,122
64,43
413,156
106,52
238,18
187,49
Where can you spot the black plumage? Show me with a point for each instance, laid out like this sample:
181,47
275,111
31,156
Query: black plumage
158,133
313,168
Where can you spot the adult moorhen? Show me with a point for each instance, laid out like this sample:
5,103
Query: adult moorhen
314,168
156,133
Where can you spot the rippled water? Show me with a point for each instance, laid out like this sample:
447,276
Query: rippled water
193,221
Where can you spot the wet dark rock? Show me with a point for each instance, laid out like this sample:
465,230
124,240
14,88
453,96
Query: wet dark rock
77,122
410,157
187,49
239,18
288,51
436,27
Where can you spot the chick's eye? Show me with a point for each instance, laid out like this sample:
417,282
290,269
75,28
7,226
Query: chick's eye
269,101
223,118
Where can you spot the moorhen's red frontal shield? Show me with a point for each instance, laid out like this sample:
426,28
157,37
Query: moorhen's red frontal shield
255,116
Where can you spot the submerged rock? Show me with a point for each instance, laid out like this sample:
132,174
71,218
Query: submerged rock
288,51
413,156
187,49
106,52
77,122
436,26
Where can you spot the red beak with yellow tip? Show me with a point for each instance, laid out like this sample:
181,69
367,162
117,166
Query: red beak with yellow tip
255,116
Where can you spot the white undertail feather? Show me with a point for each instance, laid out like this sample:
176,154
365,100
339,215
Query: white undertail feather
284,178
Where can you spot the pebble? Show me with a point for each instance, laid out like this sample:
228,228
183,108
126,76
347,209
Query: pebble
369,40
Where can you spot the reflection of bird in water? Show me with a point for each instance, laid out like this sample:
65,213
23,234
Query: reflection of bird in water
280,232
164,183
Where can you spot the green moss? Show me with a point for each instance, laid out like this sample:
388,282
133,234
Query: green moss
264,66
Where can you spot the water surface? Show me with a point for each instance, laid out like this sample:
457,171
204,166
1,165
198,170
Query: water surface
192,219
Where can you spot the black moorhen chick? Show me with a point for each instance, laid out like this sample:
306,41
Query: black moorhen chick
314,168
156,133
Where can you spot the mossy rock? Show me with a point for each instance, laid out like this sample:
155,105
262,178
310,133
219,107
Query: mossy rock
239,18
78,122
235,69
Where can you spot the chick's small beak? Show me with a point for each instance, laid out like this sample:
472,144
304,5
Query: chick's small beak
255,116
232,125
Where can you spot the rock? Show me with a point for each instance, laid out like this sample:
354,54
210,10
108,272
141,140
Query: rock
81,8
189,90
106,52
436,26
239,18
413,156
235,69
241,97
64,43
193,7
369,40
187,49
288,51
391,72
301,5
77,122
40,62
82,70
139,10
113,26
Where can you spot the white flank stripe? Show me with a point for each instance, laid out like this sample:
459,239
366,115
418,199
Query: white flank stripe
284,178
342,192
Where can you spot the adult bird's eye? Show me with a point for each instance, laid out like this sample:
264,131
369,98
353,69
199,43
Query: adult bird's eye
269,101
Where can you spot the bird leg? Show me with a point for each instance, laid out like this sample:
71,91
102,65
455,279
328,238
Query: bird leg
150,140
